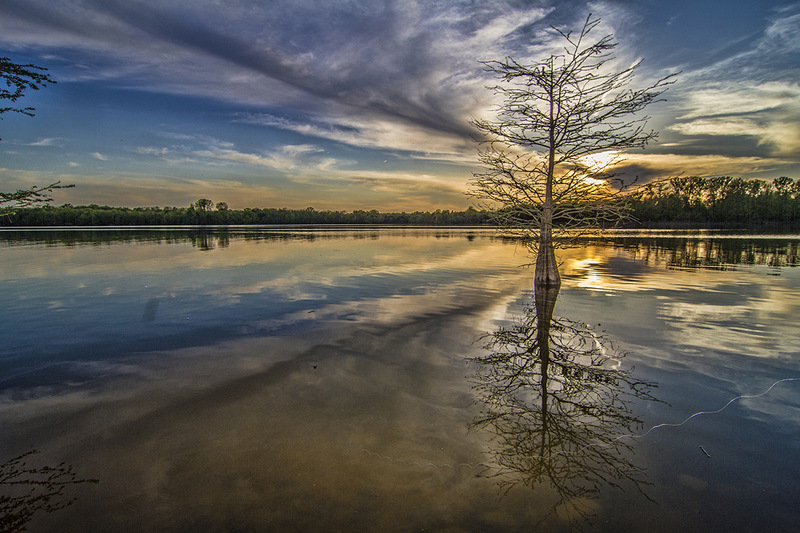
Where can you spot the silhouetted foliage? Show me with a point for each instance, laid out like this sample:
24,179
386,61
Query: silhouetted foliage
684,202
26,490
203,204
17,79
24,198
718,201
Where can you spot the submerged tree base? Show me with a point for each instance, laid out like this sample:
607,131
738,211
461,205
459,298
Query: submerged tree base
546,274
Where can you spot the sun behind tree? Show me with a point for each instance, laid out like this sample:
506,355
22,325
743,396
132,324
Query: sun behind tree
563,121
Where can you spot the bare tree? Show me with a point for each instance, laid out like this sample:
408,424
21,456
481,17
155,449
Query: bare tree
557,113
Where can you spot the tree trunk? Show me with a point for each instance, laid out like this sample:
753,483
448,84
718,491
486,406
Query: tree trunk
546,274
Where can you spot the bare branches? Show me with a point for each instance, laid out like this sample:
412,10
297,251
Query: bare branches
556,113
518,183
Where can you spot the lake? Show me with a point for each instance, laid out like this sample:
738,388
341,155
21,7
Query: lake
399,379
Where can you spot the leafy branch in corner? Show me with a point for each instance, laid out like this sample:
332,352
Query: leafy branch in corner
33,196
26,490
19,78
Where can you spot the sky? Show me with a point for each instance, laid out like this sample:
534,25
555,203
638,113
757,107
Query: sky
365,104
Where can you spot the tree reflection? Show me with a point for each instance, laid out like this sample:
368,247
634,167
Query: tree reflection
695,250
557,400
26,490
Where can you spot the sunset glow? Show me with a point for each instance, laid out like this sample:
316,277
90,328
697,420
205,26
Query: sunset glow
600,162
359,105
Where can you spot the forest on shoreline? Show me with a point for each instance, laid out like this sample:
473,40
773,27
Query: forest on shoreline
677,202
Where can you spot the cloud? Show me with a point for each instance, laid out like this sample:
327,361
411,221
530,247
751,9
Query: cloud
50,141
783,134
287,158
768,112
754,93
152,150
98,155
738,98
118,188
649,166
294,150
401,76
23,178
373,132
332,190
385,191
406,65
214,152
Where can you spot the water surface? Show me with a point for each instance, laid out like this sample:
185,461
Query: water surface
301,379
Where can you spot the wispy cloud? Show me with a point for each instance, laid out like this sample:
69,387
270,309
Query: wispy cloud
287,158
49,141
409,65
754,93
152,151
334,190
283,159
649,166
373,132
98,155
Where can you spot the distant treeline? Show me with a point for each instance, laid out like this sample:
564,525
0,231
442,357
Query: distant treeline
686,201
719,201
203,212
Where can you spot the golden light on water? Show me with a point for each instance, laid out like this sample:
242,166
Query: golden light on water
590,276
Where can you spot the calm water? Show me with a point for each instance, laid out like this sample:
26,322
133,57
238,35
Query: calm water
258,379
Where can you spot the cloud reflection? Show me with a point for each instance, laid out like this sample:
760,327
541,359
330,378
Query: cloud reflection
303,349
715,293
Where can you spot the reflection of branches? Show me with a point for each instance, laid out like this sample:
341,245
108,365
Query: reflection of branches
556,400
28,490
